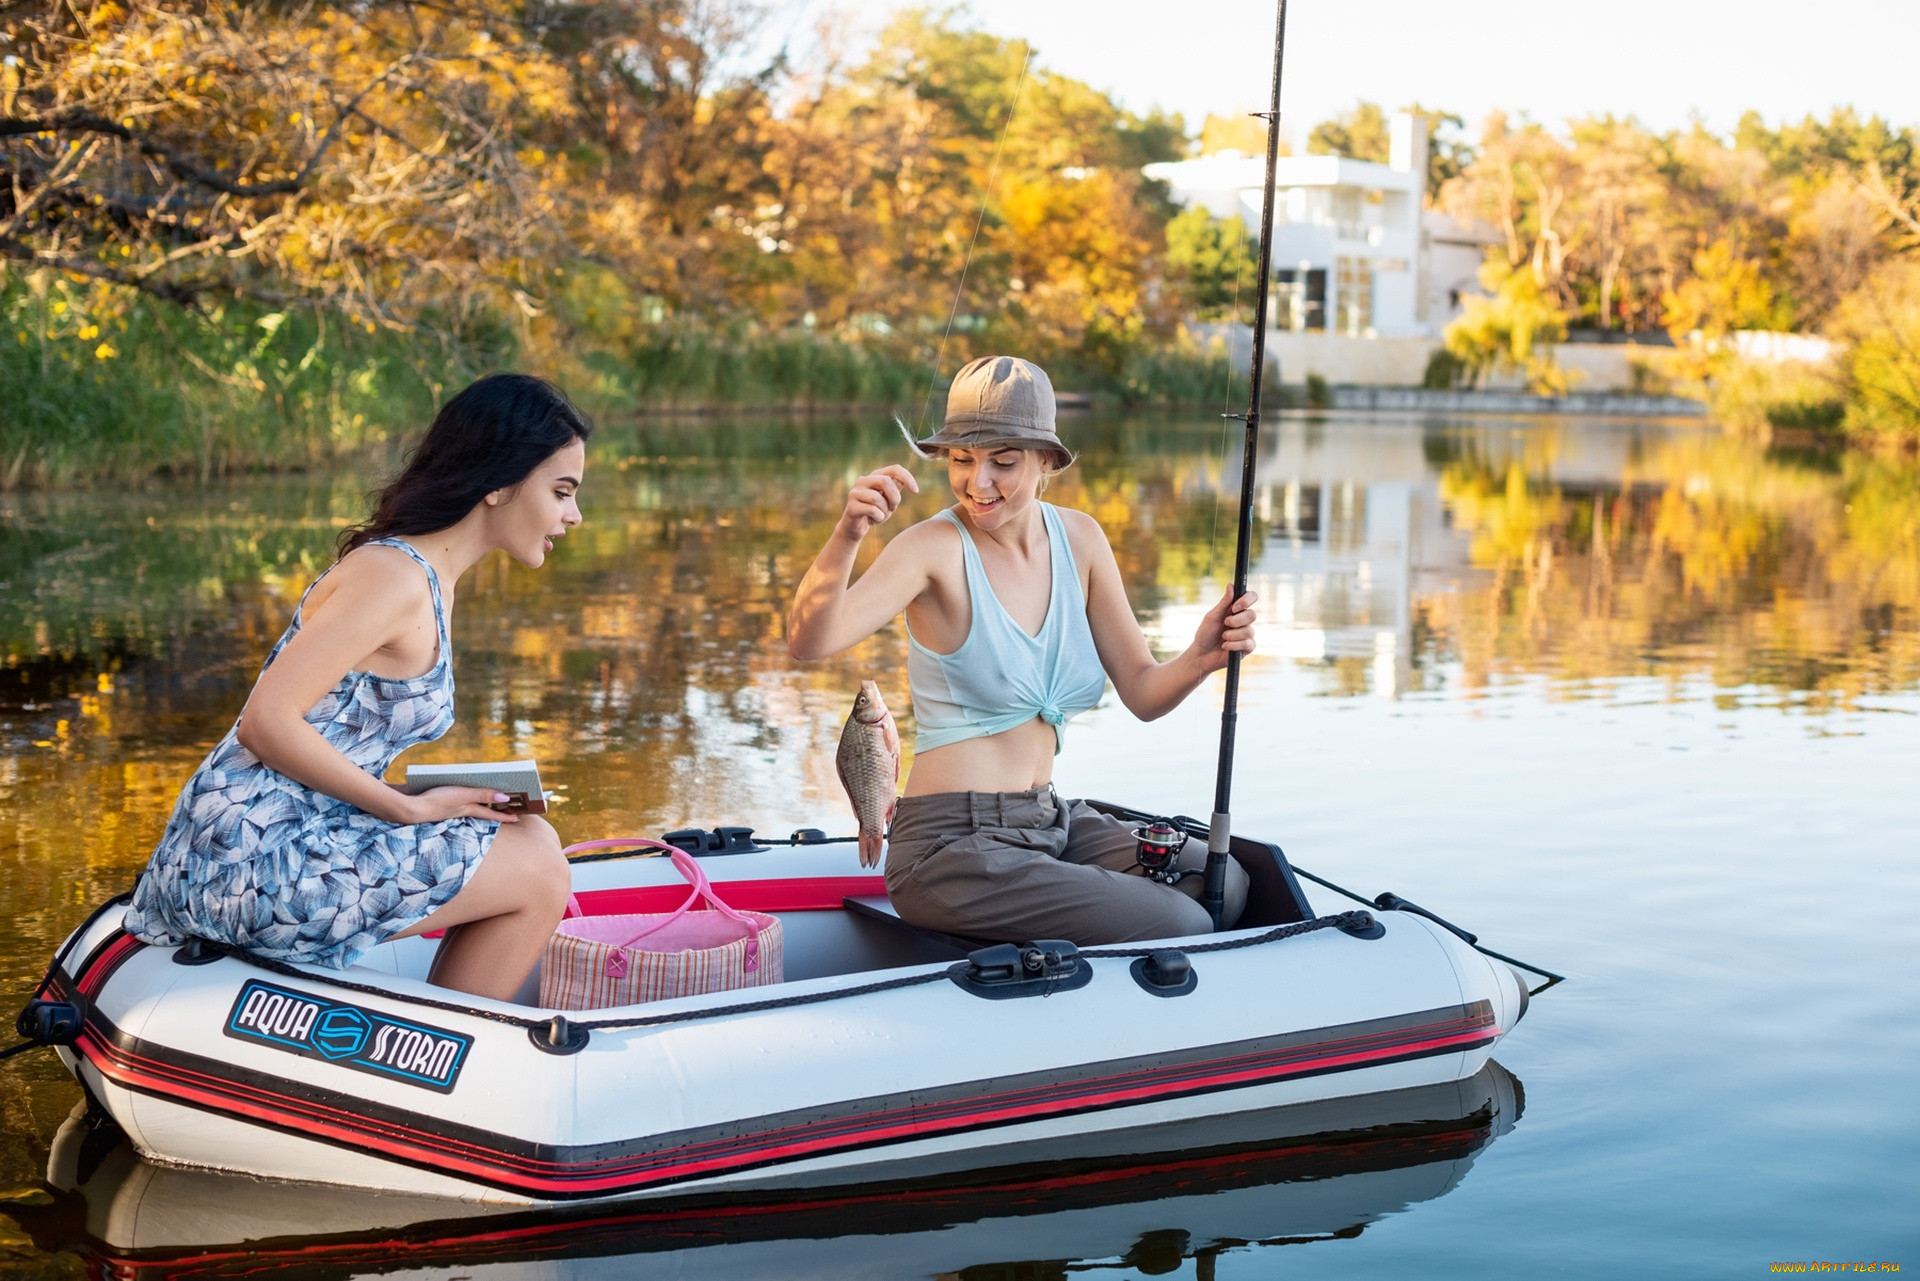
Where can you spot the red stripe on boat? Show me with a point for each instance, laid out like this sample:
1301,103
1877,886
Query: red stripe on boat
531,1176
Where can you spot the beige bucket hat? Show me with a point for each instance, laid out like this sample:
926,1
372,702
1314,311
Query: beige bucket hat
999,401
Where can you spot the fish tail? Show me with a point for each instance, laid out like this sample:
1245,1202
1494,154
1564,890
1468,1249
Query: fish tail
906,434
870,850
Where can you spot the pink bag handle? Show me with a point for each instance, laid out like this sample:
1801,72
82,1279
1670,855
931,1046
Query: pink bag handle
687,866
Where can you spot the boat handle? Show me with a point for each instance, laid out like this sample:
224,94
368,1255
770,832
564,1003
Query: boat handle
1391,902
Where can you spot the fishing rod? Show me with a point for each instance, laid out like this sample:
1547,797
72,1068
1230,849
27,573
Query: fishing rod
1220,832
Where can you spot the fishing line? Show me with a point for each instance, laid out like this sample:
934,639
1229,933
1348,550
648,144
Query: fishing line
986,194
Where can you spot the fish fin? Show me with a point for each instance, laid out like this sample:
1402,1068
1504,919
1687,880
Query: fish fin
906,434
869,850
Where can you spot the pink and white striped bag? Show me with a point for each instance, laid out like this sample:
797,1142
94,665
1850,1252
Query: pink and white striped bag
596,961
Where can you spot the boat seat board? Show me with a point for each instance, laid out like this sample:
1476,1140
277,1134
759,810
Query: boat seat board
878,910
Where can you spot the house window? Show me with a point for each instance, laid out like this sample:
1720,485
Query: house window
1300,298
1353,296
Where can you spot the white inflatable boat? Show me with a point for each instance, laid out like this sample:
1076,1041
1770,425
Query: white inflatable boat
888,1050
1147,1197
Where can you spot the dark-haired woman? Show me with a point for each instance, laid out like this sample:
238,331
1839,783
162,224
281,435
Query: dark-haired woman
286,843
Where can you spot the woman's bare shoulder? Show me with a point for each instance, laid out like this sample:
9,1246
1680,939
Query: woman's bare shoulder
932,536
1084,532
372,577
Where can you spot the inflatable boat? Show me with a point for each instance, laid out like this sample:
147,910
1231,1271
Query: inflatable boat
888,1050
1145,1197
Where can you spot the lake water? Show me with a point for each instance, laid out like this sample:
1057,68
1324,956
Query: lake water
1635,702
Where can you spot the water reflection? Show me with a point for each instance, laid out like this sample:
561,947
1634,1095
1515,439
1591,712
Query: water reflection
1460,558
1286,1176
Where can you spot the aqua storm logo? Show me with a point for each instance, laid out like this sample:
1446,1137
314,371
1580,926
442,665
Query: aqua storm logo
349,1035
341,1032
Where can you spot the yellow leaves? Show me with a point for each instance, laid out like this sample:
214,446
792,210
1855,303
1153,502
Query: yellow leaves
1727,291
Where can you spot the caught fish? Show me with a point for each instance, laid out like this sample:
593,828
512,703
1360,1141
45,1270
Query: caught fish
869,765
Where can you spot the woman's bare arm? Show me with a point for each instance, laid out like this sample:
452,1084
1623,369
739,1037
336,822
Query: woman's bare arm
830,613
375,602
1149,688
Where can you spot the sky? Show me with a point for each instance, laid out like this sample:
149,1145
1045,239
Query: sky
1664,61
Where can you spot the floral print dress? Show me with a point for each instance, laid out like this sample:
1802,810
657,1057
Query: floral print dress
262,863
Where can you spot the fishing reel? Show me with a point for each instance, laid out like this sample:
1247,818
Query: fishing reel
1160,844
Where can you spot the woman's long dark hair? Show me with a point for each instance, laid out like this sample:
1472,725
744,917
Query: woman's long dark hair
490,436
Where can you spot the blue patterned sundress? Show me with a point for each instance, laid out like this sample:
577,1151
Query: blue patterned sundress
255,860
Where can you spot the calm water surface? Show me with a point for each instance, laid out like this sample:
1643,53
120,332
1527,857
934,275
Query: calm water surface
1630,700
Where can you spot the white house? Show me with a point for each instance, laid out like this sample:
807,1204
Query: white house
1354,250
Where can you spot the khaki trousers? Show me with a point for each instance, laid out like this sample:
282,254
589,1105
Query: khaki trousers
1019,866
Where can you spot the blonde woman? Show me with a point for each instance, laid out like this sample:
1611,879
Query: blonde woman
1017,618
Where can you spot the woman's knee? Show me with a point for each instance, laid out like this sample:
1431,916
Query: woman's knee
1233,898
1168,916
542,871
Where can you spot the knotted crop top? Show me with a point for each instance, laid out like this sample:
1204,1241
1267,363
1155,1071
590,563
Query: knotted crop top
1000,677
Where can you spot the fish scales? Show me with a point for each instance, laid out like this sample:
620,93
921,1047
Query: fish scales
869,767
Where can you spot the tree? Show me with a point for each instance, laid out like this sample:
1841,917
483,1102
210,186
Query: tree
348,153
1360,134
1508,329
1726,292
1880,325
1246,134
1213,258
945,177
386,158
1620,196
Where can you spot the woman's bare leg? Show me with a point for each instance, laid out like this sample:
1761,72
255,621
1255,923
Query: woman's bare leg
498,924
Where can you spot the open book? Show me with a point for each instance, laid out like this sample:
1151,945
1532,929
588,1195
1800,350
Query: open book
520,780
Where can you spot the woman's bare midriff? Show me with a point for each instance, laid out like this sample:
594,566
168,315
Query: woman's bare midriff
1017,761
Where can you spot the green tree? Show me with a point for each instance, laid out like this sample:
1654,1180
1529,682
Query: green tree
1359,134
1880,325
1213,258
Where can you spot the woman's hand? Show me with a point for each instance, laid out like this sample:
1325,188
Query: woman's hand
830,613
874,499
1224,631
441,803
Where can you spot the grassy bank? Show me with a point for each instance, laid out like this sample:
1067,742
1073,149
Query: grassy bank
102,387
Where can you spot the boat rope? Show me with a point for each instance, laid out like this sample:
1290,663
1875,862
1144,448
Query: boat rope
1274,935
1348,920
643,849
980,219
1388,901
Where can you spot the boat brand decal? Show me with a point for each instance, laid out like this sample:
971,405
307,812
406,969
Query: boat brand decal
349,1035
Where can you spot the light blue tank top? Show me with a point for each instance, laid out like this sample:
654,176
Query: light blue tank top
1000,677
